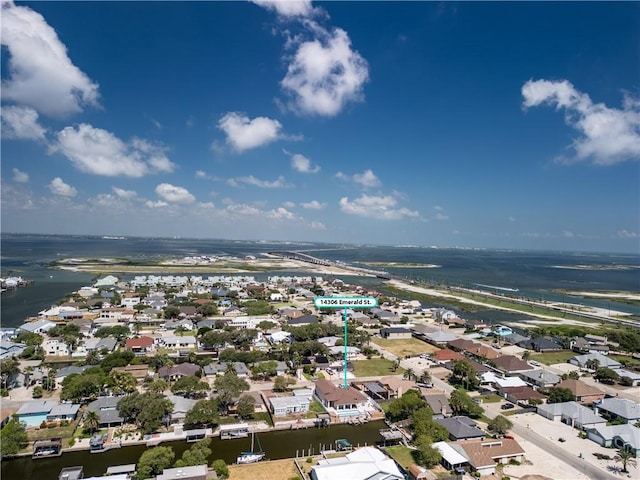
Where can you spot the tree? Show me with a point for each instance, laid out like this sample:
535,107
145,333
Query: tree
121,382
37,392
606,375
402,408
203,414
91,420
246,406
264,370
425,454
560,395
500,425
147,410
120,332
220,467
409,374
13,438
464,372
171,311
190,386
157,386
229,386
422,424
8,367
425,377
198,454
462,404
78,387
625,457
153,461
282,383
592,364
395,365
526,355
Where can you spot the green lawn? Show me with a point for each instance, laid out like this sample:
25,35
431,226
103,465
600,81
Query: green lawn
491,398
401,454
316,407
403,347
47,433
549,358
375,367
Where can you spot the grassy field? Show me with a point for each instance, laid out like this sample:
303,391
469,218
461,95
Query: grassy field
491,398
273,470
376,367
401,454
403,347
549,358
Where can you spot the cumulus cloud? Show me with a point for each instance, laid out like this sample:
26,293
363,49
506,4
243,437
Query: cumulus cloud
19,176
41,75
99,152
325,73
58,187
246,210
244,133
280,182
174,194
157,204
626,234
122,193
287,8
380,207
21,123
313,205
302,164
607,135
318,225
367,179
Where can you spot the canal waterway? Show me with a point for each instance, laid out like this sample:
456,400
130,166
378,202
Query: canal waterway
276,445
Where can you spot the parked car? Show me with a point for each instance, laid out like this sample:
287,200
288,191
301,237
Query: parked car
507,406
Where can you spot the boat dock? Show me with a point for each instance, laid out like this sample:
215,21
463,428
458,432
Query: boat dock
47,448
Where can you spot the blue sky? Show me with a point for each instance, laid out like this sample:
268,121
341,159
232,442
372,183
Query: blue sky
506,125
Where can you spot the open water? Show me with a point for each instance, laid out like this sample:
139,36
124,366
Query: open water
536,274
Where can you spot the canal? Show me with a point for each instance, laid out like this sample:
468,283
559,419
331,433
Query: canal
276,444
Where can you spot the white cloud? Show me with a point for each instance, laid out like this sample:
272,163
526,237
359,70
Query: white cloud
289,204
244,133
58,187
441,216
280,182
246,210
607,135
122,193
302,164
41,73
367,179
99,152
318,225
19,176
313,205
325,74
287,8
626,234
158,204
382,208
21,123
174,194
201,174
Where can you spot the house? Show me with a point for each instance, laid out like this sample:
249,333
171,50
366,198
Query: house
581,345
584,361
571,413
482,351
462,344
540,378
291,405
32,414
178,371
195,472
621,437
541,344
416,472
451,459
439,337
178,342
511,365
63,411
439,404
302,320
9,349
184,323
279,337
181,406
107,410
582,392
618,408
130,299
66,371
521,395
220,368
55,347
139,372
39,327
395,333
484,455
362,464
633,377
340,401
446,355
490,378
140,344
352,352
461,428
515,338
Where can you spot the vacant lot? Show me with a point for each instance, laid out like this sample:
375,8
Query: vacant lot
404,347
550,358
376,367
401,454
273,470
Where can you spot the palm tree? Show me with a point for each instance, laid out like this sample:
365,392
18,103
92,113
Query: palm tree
91,420
409,374
395,366
526,355
425,377
625,457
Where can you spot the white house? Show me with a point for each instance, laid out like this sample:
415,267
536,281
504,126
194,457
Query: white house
54,347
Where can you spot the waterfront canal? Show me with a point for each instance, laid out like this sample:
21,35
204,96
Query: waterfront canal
276,444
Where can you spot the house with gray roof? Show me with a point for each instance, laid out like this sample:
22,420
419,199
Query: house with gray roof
571,413
603,361
618,408
540,378
439,337
195,472
461,428
634,377
622,437
10,349
41,326
181,406
107,410
220,368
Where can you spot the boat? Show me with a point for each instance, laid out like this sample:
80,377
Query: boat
251,456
